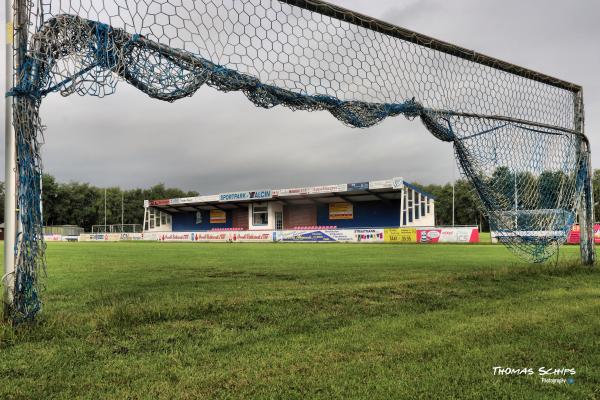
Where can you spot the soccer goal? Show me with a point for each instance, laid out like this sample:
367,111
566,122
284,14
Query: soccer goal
517,134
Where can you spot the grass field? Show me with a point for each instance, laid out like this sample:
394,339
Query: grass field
300,321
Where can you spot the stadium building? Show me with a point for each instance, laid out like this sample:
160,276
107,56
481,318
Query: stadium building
389,203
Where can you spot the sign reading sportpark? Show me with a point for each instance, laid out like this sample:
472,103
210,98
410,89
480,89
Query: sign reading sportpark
266,194
237,196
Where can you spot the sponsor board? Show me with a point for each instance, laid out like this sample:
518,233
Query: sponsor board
209,236
174,237
333,235
428,235
209,198
111,237
384,184
237,236
292,192
90,237
432,235
153,236
237,196
388,235
162,202
185,200
400,235
131,236
394,183
218,217
574,236
501,236
368,235
341,211
459,235
359,186
311,190
328,189
53,238
397,183
249,236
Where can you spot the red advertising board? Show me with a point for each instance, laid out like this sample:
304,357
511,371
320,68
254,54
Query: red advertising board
575,234
163,202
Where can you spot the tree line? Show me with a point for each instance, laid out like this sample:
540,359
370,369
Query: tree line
82,204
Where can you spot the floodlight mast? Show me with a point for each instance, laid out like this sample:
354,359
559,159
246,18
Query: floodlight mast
10,160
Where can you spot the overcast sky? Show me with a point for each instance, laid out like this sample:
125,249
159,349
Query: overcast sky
215,142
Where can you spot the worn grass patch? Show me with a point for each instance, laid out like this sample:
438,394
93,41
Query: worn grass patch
298,321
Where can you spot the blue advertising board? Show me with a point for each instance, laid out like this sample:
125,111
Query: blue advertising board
354,187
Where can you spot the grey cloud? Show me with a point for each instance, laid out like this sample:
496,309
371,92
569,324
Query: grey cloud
216,142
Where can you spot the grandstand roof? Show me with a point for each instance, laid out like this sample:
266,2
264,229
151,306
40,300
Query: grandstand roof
384,190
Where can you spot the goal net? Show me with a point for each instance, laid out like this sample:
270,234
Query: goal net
517,134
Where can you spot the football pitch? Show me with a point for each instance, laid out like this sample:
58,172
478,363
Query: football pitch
299,321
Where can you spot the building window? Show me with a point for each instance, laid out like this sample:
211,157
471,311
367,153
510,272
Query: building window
260,215
423,207
428,205
417,208
163,218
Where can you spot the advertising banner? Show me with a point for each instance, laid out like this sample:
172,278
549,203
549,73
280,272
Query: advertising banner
53,238
368,235
249,236
185,200
257,195
448,235
575,234
209,236
292,192
175,237
394,183
428,235
149,236
388,235
163,202
131,236
109,237
328,189
333,235
400,235
341,211
218,217
359,186
459,235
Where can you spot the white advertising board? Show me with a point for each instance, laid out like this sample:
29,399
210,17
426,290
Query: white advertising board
369,235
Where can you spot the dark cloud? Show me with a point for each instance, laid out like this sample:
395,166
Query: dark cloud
217,142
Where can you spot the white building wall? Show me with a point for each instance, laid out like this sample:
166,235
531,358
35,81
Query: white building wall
156,221
414,204
272,208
